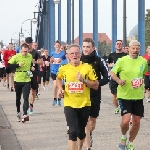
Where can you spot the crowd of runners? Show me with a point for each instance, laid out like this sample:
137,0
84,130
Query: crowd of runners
78,74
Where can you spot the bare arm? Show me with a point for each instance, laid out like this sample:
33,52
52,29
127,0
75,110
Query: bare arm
115,78
59,85
91,84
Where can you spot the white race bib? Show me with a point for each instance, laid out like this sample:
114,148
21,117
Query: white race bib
137,82
75,87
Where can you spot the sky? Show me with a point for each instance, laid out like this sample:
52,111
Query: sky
14,12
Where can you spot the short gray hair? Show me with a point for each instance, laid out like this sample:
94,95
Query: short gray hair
134,41
74,45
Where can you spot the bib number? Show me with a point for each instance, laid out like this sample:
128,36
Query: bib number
137,82
75,87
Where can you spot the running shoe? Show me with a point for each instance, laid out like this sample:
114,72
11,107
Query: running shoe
30,110
54,102
25,118
130,146
116,110
122,144
59,102
19,117
36,97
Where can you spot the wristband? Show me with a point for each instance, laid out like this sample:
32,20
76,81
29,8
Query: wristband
84,81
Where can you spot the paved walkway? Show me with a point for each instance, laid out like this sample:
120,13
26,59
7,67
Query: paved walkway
46,129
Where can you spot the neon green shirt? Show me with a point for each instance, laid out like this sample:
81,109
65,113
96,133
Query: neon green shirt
27,60
132,71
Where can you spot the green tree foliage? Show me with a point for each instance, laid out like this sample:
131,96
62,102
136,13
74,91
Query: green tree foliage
147,28
104,48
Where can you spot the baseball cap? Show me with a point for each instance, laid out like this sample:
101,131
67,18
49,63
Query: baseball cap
29,40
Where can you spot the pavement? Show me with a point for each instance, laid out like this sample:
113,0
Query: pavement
46,129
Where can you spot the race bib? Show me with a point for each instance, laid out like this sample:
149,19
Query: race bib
56,61
75,87
137,82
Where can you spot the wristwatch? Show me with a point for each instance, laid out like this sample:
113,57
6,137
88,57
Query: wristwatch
84,81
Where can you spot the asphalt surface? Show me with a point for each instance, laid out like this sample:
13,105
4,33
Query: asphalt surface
46,129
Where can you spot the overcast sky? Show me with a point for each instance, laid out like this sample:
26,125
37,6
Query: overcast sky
14,12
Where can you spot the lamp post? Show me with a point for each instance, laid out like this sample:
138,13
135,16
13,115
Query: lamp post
124,24
72,21
31,20
12,35
58,2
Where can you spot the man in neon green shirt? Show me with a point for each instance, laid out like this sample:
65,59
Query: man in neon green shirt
22,62
130,92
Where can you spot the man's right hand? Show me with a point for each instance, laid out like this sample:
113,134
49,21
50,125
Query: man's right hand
121,82
60,93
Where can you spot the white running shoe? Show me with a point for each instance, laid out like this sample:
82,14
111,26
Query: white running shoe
19,117
148,99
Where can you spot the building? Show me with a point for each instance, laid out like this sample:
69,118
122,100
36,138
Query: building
101,37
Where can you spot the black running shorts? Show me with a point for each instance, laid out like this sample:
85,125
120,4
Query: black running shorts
53,76
95,106
134,107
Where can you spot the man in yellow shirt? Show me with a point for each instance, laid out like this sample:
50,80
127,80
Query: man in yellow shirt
79,77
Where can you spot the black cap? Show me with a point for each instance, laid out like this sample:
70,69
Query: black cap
29,40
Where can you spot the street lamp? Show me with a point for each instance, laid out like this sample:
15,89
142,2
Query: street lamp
31,20
11,36
56,1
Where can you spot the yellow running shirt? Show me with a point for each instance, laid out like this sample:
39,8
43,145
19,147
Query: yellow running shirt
76,94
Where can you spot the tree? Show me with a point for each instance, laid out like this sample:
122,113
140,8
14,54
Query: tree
147,28
104,48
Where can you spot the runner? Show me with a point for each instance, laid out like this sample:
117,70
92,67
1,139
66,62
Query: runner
55,60
2,68
22,62
46,70
89,55
34,80
112,58
9,71
147,75
78,82
130,94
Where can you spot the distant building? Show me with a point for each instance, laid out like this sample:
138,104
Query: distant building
133,33
101,37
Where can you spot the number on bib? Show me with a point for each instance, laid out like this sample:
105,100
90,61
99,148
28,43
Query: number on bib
75,87
137,82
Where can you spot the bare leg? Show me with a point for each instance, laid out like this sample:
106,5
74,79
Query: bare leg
88,129
115,101
72,145
135,127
